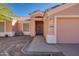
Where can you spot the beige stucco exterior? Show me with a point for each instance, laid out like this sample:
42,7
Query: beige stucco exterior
73,10
66,28
7,25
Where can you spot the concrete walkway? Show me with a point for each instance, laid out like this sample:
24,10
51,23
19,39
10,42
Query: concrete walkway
38,45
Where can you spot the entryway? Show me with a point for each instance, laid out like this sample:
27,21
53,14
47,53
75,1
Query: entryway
39,27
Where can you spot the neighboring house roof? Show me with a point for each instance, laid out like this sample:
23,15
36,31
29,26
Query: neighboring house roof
59,8
3,18
27,18
4,9
24,18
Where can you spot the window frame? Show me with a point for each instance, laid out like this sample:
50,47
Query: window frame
28,26
4,28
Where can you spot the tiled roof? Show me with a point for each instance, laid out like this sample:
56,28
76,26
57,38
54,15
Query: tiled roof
35,12
55,6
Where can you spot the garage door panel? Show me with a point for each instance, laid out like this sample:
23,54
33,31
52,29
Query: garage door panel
68,30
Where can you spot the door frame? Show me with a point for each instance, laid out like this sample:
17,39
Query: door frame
42,27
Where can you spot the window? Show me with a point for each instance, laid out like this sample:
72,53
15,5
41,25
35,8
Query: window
26,26
1,26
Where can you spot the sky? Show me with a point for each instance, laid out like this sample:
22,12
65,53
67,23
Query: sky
23,9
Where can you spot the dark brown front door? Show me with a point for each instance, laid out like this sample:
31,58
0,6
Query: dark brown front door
39,27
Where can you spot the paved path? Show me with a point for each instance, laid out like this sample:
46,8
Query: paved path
39,45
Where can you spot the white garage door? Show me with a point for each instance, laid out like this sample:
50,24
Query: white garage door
67,30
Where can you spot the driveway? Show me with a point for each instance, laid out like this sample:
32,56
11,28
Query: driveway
69,49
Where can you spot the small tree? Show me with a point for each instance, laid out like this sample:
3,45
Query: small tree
5,11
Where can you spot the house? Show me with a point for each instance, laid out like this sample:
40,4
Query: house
5,26
27,24
21,25
62,24
59,24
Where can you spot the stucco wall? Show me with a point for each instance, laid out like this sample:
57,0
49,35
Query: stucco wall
32,27
51,27
45,19
20,25
74,10
48,26
8,26
45,28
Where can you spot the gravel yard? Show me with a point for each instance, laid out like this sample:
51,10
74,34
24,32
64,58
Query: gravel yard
13,45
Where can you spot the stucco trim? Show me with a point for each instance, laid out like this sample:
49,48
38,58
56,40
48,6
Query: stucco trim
26,21
5,26
55,28
26,33
51,39
67,16
6,33
2,33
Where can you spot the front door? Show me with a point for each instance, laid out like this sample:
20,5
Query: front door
39,27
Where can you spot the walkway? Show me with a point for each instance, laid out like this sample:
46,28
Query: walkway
39,47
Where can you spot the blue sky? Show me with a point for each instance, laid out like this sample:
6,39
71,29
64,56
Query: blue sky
23,9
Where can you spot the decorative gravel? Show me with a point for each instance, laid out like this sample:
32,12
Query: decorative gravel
12,45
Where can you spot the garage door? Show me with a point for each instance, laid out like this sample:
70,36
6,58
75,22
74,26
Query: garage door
1,26
68,30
